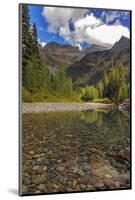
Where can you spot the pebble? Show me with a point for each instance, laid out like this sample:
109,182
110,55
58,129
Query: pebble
26,181
74,184
90,187
83,180
82,186
38,179
31,152
80,172
24,189
36,167
99,185
44,168
42,187
108,176
56,186
108,182
60,169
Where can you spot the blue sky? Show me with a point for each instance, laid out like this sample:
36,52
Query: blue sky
79,27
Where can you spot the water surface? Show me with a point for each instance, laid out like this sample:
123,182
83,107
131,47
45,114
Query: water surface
75,151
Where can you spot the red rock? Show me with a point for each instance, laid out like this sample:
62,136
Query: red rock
99,185
83,180
108,182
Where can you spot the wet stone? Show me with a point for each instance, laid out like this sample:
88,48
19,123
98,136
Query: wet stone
31,152
108,176
90,187
60,169
44,168
38,179
108,182
74,184
82,186
99,185
83,180
42,187
80,172
36,167
24,189
26,181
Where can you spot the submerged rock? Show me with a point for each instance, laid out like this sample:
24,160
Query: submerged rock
38,179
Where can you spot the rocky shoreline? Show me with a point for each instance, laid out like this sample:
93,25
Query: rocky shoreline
55,107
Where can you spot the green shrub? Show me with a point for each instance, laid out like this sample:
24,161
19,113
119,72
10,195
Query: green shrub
26,96
90,93
105,100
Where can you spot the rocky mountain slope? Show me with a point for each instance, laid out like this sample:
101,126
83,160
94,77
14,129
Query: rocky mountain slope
89,70
87,66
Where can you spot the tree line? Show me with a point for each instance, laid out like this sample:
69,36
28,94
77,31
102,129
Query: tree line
114,86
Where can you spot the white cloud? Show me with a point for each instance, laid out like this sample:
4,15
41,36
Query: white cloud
87,27
91,30
89,20
58,17
107,33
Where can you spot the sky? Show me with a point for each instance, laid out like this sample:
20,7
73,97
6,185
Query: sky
79,27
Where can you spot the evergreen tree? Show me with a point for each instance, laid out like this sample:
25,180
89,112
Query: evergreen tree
35,49
26,40
105,84
100,88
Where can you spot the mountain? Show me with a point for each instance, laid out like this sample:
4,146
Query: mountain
89,69
95,47
55,55
87,66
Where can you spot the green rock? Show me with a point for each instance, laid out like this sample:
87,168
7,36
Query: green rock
38,179
24,189
42,187
60,169
82,187
80,172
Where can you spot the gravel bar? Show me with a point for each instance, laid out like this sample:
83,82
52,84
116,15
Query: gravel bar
56,107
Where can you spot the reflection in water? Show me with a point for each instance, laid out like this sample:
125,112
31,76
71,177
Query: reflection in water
75,151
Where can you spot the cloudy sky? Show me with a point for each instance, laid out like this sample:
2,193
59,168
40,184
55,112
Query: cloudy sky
79,27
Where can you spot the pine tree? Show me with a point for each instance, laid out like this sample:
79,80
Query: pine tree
26,40
35,49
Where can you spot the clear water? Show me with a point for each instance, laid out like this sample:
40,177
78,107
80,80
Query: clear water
75,151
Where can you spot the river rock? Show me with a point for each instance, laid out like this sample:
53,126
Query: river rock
42,187
99,185
108,182
83,180
26,181
31,152
44,168
56,186
108,176
60,169
24,189
80,172
82,186
38,179
36,167
74,184
90,187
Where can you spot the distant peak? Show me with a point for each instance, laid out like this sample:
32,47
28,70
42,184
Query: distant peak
123,38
